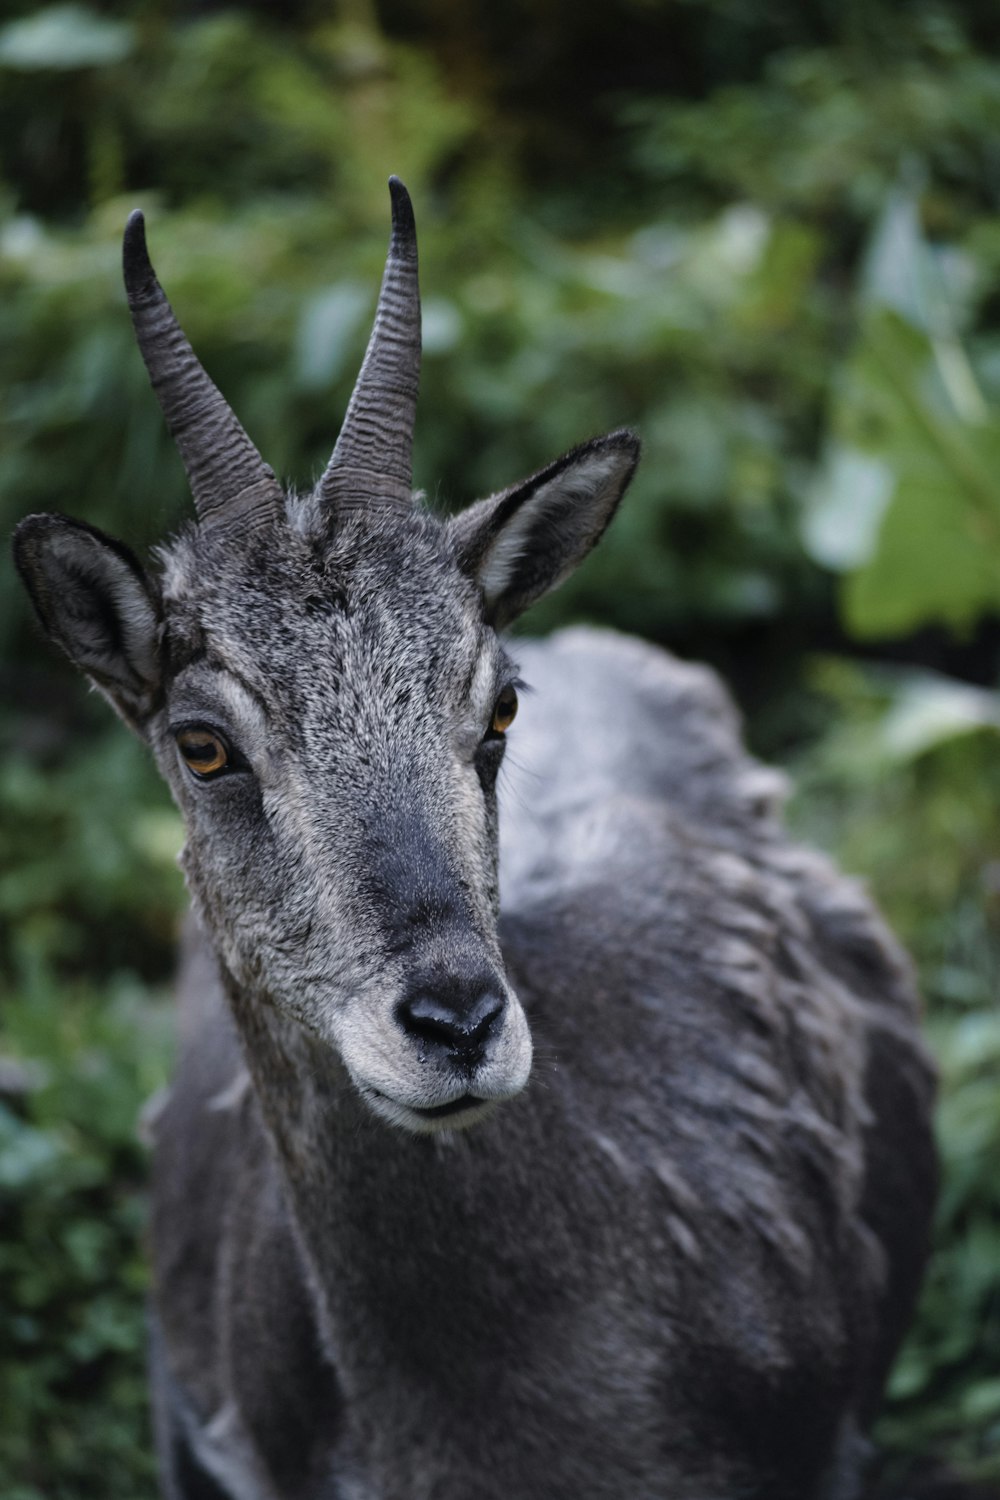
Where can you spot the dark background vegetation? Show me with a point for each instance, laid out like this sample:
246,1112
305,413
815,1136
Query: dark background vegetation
765,233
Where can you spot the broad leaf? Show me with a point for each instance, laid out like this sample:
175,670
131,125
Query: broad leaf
64,37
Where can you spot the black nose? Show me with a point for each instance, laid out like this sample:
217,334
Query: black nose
458,1020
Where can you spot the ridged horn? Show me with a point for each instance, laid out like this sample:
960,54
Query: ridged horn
373,458
229,480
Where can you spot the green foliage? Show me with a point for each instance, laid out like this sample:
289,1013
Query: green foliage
89,890
904,788
88,881
904,783
945,1389
821,131
64,37
73,1405
782,268
907,501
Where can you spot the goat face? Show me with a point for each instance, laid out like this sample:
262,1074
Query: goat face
344,851
323,685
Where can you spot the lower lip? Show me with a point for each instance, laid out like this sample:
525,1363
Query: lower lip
442,1111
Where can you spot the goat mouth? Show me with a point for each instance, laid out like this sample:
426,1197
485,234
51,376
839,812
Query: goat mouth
457,1112
440,1111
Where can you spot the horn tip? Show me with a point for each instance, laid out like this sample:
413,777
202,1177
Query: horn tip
402,209
135,256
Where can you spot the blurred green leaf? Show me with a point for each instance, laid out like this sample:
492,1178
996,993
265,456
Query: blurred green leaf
329,325
929,710
847,503
905,501
937,554
64,37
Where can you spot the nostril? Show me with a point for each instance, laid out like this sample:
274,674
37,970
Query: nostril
461,1028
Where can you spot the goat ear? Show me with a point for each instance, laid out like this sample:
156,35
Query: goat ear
95,601
522,543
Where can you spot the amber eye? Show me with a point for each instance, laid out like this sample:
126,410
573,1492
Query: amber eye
203,751
504,711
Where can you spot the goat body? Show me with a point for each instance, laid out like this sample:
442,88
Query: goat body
676,1262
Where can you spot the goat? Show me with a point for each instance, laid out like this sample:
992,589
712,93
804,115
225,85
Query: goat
392,1260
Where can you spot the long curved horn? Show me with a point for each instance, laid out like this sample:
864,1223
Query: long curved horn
229,480
372,460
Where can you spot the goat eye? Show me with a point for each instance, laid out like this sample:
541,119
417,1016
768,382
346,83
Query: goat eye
204,752
504,711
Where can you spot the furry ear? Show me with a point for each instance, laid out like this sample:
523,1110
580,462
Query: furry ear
95,601
519,544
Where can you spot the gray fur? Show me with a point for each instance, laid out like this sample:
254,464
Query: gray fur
674,1262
